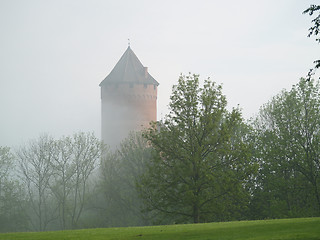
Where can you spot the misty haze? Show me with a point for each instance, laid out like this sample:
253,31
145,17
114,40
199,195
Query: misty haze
136,113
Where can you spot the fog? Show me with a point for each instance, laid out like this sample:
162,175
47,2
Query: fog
54,54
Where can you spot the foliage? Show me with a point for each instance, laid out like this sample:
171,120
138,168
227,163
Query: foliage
119,172
201,163
314,30
288,147
286,229
200,166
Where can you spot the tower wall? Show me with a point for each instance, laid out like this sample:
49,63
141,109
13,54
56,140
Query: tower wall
126,107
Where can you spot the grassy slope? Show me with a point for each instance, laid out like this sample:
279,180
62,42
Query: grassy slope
303,228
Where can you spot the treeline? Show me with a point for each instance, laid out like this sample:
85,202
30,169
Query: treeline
46,184
201,163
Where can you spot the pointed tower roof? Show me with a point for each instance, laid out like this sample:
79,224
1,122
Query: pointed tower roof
129,69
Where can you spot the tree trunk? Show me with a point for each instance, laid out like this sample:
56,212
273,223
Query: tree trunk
317,195
196,213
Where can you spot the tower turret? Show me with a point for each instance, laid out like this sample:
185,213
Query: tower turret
128,99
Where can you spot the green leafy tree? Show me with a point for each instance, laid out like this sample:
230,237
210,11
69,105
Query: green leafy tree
201,164
288,130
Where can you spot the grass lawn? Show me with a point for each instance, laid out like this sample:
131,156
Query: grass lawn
300,228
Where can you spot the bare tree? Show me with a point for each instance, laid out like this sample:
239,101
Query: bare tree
56,175
12,207
73,165
61,185
36,172
5,163
314,30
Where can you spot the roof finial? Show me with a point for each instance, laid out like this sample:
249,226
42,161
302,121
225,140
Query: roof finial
128,42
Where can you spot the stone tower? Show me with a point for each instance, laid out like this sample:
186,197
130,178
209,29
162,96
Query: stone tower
128,99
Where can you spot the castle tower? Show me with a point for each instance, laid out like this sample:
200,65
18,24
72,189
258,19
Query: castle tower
128,99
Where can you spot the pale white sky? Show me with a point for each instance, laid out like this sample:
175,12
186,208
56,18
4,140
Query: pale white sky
54,54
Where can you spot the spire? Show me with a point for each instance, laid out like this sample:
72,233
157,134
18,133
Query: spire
129,69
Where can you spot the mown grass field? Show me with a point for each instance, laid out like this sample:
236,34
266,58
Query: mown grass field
301,228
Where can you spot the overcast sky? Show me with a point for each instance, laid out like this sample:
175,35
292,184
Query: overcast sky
54,54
